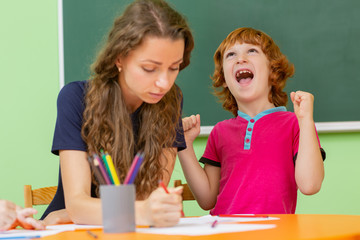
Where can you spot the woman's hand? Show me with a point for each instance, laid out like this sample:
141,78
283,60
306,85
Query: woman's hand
161,209
57,217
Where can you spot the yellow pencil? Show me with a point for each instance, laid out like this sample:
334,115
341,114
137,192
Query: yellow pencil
112,169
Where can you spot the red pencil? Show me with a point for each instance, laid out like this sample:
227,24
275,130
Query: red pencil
161,183
164,187
243,215
214,223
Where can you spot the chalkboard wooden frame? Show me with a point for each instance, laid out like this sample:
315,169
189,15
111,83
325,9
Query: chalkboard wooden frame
285,41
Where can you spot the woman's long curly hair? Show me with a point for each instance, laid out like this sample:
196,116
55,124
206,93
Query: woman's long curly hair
280,68
107,124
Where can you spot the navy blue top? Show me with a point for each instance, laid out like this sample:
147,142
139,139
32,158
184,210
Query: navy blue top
67,135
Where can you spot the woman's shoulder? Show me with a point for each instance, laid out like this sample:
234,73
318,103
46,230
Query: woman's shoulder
72,94
74,88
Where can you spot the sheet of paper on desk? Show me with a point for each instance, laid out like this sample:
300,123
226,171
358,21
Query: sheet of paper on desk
21,233
194,226
205,229
210,219
73,227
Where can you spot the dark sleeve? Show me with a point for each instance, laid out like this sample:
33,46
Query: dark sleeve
70,108
322,151
58,201
180,139
210,162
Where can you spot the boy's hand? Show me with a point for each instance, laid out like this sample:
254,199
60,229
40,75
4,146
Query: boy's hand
303,105
191,126
13,216
25,220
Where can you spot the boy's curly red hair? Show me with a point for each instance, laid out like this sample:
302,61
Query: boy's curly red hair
280,68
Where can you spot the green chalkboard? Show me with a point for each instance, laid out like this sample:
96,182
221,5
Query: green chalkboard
321,37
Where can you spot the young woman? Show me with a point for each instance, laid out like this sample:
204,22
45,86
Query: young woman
130,104
256,161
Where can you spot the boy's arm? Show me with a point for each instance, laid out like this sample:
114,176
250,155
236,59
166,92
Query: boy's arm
309,167
203,182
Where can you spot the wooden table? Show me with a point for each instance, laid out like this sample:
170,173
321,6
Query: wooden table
290,226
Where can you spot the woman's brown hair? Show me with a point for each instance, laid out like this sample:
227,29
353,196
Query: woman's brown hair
280,68
107,124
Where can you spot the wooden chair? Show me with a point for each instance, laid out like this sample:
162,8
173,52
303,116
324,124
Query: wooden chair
187,194
39,196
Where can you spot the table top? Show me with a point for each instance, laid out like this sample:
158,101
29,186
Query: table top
289,226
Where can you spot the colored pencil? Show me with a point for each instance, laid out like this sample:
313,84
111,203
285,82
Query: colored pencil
136,169
92,234
96,170
161,183
103,157
98,161
112,169
214,223
243,215
131,170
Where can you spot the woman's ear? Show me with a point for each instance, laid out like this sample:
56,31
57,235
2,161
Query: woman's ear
118,63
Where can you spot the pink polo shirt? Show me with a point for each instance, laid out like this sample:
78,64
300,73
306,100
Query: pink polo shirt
256,156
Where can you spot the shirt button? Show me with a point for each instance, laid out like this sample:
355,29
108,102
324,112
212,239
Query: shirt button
247,140
249,129
252,120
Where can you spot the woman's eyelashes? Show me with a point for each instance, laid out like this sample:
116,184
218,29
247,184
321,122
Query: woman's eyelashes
148,69
176,68
153,69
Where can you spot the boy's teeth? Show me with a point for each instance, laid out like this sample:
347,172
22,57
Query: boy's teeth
241,72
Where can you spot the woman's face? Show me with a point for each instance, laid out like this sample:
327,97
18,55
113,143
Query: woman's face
149,71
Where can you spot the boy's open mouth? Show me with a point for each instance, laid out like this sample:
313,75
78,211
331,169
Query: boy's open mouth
244,76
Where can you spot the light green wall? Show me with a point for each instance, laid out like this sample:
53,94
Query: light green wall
340,192
29,85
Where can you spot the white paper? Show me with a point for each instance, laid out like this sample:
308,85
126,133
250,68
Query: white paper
195,226
73,227
191,226
50,230
27,233
205,229
211,219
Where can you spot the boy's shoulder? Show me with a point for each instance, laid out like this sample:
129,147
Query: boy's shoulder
287,115
228,123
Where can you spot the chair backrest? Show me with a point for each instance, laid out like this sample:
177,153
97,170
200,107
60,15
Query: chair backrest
39,196
187,194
